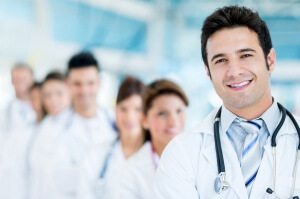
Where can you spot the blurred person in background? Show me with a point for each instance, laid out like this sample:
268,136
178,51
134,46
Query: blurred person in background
35,94
56,100
22,115
101,168
19,112
55,93
164,105
88,126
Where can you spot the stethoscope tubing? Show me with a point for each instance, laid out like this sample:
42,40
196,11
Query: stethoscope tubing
218,146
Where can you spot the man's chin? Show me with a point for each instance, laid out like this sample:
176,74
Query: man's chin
86,104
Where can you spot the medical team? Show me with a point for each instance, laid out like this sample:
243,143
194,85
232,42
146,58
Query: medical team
69,147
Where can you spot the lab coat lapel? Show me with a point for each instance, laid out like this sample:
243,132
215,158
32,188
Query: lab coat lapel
285,145
210,154
264,176
233,170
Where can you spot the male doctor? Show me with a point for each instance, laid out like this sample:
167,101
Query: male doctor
239,59
19,113
15,133
85,127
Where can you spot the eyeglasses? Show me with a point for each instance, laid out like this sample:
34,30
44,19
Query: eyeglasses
270,191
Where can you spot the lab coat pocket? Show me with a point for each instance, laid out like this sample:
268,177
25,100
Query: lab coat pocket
66,179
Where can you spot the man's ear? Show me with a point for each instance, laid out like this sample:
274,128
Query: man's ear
271,59
207,71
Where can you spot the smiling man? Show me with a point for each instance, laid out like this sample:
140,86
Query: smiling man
229,154
86,126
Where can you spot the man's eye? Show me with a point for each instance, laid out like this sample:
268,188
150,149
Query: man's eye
220,61
246,55
161,113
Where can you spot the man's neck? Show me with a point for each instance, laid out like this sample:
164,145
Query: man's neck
86,112
254,111
23,97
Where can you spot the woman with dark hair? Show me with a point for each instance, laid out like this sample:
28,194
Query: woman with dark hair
56,100
164,107
101,167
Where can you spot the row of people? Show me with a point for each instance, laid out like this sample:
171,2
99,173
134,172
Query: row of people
247,148
78,149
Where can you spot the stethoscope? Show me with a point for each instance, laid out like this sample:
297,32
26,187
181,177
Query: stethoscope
221,184
101,181
107,159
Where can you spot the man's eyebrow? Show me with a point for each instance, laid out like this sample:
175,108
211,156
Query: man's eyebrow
217,55
246,50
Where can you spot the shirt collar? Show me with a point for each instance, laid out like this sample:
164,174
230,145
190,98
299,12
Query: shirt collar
227,118
271,118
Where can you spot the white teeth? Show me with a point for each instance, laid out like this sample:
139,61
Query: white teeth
240,84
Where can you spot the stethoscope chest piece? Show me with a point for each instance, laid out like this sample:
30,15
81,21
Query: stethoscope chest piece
220,183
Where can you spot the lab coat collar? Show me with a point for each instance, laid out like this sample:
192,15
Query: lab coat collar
207,125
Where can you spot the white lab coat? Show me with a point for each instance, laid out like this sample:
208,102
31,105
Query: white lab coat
13,167
137,178
91,186
19,115
59,173
42,151
188,167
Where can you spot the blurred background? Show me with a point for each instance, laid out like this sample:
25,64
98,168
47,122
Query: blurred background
147,38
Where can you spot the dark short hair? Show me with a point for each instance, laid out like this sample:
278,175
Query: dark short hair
130,86
83,60
231,17
162,87
55,75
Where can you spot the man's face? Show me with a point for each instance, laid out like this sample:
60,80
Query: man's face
22,80
238,68
84,84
